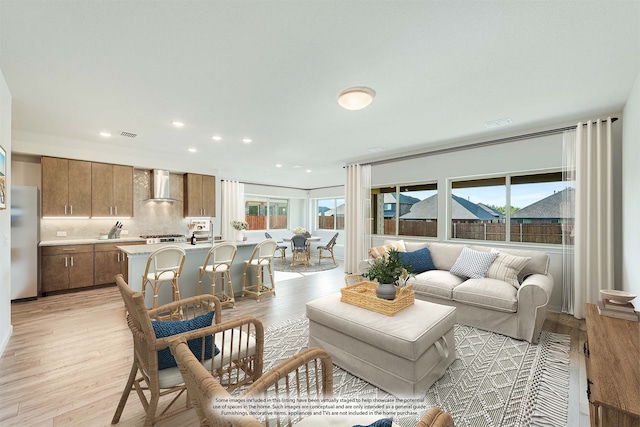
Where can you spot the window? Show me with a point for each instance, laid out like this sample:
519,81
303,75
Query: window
330,214
260,211
533,208
406,210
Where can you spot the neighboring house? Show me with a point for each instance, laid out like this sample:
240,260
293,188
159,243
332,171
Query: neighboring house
322,211
338,211
406,202
462,210
557,208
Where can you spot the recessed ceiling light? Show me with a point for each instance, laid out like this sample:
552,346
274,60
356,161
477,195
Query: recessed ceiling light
104,133
246,140
177,124
192,150
356,98
308,170
278,165
216,138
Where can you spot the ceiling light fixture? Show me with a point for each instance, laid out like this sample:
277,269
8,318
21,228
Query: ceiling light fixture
192,150
216,138
308,170
246,140
177,124
278,165
356,98
104,133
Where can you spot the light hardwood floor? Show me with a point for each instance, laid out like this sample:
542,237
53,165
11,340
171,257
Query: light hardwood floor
69,356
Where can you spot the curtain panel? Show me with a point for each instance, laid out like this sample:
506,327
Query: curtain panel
357,215
232,207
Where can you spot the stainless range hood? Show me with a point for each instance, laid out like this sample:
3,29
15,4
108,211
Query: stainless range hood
160,186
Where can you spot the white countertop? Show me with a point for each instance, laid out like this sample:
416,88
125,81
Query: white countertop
147,249
64,241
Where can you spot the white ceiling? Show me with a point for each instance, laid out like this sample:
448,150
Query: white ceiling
271,71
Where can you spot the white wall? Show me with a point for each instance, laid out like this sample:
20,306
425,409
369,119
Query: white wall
631,193
5,219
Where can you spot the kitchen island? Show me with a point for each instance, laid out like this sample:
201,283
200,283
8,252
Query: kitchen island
188,282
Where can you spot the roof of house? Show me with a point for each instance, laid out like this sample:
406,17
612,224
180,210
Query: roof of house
461,209
558,205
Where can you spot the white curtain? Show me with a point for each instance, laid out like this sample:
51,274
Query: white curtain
357,216
593,214
232,207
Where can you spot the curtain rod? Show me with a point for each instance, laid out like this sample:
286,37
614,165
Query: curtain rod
477,145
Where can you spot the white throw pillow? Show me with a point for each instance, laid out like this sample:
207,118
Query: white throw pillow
473,264
506,268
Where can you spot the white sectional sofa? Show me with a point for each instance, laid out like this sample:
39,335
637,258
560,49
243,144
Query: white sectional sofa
510,299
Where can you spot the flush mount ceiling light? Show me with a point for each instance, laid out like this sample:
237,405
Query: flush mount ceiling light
356,98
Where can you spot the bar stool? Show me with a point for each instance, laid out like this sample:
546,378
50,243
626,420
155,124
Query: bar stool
221,256
260,258
167,267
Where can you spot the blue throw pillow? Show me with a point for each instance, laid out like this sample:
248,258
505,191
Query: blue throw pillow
420,260
385,422
167,329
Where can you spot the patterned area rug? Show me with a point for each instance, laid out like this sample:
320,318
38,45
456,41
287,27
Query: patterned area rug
285,267
494,381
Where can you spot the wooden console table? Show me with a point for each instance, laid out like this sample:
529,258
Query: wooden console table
612,356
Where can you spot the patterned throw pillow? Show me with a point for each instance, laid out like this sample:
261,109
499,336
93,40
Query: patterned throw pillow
169,328
506,268
473,264
420,260
379,251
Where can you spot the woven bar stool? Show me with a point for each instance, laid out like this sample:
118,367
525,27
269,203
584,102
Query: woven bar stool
221,256
164,265
260,259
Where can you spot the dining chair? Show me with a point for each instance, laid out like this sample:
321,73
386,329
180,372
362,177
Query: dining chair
218,262
281,248
328,248
260,259
164,265
300,251
231,352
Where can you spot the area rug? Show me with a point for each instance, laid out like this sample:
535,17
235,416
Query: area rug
494,381
326,264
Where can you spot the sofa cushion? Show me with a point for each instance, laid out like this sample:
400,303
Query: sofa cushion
473,264
435,283
415,246
488,293
379,251
539,263
420,260
444,255
506,268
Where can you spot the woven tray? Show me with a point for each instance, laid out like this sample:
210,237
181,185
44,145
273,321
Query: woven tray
363,294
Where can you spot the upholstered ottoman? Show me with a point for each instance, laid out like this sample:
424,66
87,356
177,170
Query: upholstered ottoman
402,354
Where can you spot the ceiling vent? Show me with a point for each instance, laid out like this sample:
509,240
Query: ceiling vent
128,134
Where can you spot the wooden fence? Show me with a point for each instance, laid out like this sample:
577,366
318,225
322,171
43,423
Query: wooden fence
327,223
259,222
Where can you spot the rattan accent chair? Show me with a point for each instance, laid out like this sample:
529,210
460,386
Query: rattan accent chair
328,248
259,261
164,265
300,250
306,375
221,256
281,248
239,361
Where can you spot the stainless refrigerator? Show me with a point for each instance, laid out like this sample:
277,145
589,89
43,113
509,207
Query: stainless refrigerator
25,237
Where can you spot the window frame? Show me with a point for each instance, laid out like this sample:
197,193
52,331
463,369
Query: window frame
268,207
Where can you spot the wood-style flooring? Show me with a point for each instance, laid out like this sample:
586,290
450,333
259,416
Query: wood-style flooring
68,359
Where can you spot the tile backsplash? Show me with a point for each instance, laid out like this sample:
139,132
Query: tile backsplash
148,217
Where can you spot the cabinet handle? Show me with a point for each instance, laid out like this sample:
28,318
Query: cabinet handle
71,261
65,262
204,212
116,208
118,256
70,209
65,209
68,249
110,210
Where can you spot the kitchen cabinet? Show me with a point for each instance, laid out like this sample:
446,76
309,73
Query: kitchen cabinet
199,195
66,267
109,261
66,187
111,190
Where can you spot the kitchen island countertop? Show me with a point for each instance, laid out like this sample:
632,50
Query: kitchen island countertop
144,249
59,242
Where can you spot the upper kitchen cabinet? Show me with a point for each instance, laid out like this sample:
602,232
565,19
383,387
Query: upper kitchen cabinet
66,187
199,195
112,190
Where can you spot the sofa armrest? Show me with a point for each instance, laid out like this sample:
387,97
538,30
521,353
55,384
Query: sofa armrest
533,297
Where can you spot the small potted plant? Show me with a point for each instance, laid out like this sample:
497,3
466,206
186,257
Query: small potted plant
389,272
239,226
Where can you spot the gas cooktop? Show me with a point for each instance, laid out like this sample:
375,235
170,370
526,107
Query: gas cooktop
162,238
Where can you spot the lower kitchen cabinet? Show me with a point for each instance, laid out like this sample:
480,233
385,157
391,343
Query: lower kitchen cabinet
66,267
109,261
